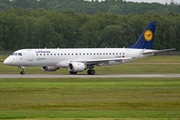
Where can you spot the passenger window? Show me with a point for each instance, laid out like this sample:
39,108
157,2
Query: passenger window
83,53
37,54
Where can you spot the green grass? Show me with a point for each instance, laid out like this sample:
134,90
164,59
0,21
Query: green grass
81,98
94,98
159,59
3,57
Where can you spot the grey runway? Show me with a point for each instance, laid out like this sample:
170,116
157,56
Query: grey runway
90,76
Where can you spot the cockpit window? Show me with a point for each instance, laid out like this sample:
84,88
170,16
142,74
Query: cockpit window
17,54
14,54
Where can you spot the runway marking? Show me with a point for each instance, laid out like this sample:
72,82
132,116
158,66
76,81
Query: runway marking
90,76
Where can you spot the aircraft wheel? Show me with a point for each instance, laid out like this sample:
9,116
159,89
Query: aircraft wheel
88,72
91,72
22,68
22,72
72,73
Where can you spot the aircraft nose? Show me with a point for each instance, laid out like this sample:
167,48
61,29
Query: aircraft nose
7,61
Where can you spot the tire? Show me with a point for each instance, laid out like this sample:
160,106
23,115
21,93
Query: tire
22,72
72,73
91,72
88,72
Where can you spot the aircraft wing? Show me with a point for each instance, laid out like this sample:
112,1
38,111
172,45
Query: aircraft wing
157,51
110,59
100,61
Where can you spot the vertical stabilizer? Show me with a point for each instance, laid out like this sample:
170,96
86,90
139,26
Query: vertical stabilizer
145,41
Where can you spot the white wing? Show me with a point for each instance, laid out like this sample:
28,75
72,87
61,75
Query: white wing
99,61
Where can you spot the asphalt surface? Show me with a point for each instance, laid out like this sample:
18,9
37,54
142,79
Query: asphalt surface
90,76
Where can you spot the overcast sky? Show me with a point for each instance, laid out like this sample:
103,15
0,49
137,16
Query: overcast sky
158,1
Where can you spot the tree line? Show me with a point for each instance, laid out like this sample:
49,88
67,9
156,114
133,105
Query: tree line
93,6
21,28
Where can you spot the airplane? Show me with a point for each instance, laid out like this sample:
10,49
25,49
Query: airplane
78,60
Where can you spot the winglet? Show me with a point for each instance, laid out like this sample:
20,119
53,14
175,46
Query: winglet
145,41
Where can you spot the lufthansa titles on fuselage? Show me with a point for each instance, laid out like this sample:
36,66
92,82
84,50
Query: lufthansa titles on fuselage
40,51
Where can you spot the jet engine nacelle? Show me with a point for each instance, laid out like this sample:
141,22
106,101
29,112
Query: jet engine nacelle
49,68
76,67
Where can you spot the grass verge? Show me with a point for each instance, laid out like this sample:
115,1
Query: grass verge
76,98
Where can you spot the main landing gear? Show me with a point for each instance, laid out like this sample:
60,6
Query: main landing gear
22,68
91,72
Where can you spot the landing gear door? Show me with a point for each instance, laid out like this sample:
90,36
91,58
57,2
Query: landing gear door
31,57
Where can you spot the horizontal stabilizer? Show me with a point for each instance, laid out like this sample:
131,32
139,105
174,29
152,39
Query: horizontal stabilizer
158,51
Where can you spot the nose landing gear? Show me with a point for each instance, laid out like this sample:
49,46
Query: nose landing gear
22,68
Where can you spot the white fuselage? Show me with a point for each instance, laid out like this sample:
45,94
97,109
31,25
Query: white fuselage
62,57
